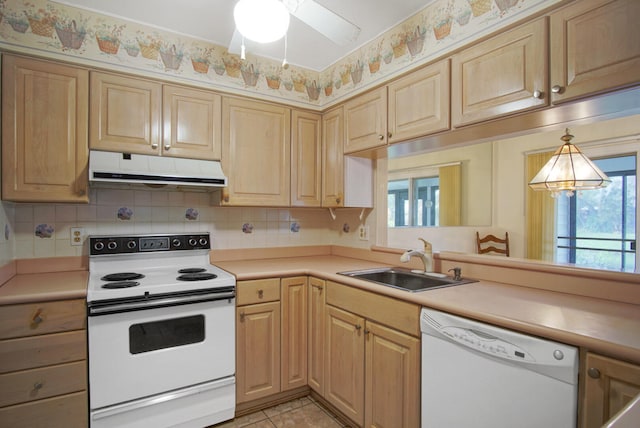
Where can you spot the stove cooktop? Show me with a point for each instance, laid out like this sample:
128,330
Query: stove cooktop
146,265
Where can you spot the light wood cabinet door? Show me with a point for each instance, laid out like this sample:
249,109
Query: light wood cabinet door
333,158
500,76
126,114
257,351
306,159
608,386
294,332
595,47
44,131
419,103
192,123
344,363
365,121
316,324
256,153
392,394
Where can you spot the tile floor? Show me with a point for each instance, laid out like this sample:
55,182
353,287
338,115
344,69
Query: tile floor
300,413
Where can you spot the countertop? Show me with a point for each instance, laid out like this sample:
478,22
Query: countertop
39,287
601,326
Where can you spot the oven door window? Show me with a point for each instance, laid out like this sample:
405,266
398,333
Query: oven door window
151,336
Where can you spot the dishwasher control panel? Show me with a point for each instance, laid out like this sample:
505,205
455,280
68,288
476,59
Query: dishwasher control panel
486,343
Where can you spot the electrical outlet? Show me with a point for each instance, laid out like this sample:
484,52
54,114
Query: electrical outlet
77,236
363,233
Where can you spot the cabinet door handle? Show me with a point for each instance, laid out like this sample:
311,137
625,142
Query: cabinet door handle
167,147
319,287
154,146
538,94
593,373
260,293
37,319
38,385
242,316
380,137
389,135
358,327
367,331
557,89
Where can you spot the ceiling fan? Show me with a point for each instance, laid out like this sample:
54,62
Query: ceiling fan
325,21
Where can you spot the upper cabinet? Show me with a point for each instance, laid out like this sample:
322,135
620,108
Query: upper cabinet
503,75
306,159
332,158
366,121
141,116
419,103
125,114
256,153
595,47
44,132
347,181
192,123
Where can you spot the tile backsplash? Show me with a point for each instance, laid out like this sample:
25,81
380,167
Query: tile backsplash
35,230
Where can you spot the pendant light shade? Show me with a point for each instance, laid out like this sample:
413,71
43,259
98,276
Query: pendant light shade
263,21
569,170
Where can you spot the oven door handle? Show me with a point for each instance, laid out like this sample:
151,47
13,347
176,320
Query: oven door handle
96,309
160,398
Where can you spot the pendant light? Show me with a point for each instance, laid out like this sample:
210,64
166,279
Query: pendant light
262,21
569,170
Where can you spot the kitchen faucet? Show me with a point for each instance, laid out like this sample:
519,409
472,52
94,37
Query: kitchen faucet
425,255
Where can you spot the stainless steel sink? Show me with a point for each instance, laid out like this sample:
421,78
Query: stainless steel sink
405,279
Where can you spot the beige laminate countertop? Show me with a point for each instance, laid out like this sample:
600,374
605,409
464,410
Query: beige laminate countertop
39,287
601,326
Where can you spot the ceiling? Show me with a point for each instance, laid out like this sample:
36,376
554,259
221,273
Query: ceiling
212,20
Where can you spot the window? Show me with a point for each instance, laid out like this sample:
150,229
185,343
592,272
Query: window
413,202
597,228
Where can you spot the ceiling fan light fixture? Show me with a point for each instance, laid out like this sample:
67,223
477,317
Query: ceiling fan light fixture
262,21
569,170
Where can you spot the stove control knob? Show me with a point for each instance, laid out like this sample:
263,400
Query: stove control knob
112,245
98,246
203,241
176,242
193,242
131,245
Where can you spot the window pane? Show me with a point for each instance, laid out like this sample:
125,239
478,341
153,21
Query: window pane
397,203
425,192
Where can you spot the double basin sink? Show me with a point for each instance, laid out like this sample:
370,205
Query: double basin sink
405,279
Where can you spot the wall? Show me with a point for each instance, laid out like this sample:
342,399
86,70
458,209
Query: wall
43,230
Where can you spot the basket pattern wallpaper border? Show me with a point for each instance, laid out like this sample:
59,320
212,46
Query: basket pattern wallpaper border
59,31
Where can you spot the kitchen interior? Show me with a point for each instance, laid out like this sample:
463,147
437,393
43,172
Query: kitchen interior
199,228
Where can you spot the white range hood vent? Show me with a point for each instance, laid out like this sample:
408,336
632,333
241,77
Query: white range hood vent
125,168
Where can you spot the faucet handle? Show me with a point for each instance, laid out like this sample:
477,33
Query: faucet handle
457,273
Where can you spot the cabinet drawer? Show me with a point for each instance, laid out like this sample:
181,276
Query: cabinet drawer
258,291
394,313
63,411
45,382
40,318
31,352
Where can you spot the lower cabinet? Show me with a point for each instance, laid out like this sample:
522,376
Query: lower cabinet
271,337
315,328
608,386
43,368
372,370
358,350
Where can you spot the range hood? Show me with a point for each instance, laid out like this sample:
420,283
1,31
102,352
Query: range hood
126,168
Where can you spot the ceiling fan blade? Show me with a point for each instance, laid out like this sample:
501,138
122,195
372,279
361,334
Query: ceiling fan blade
326,22
235,45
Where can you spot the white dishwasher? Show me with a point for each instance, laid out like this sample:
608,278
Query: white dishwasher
481,376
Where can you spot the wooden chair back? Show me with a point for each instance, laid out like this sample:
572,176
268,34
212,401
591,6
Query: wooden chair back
493,244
